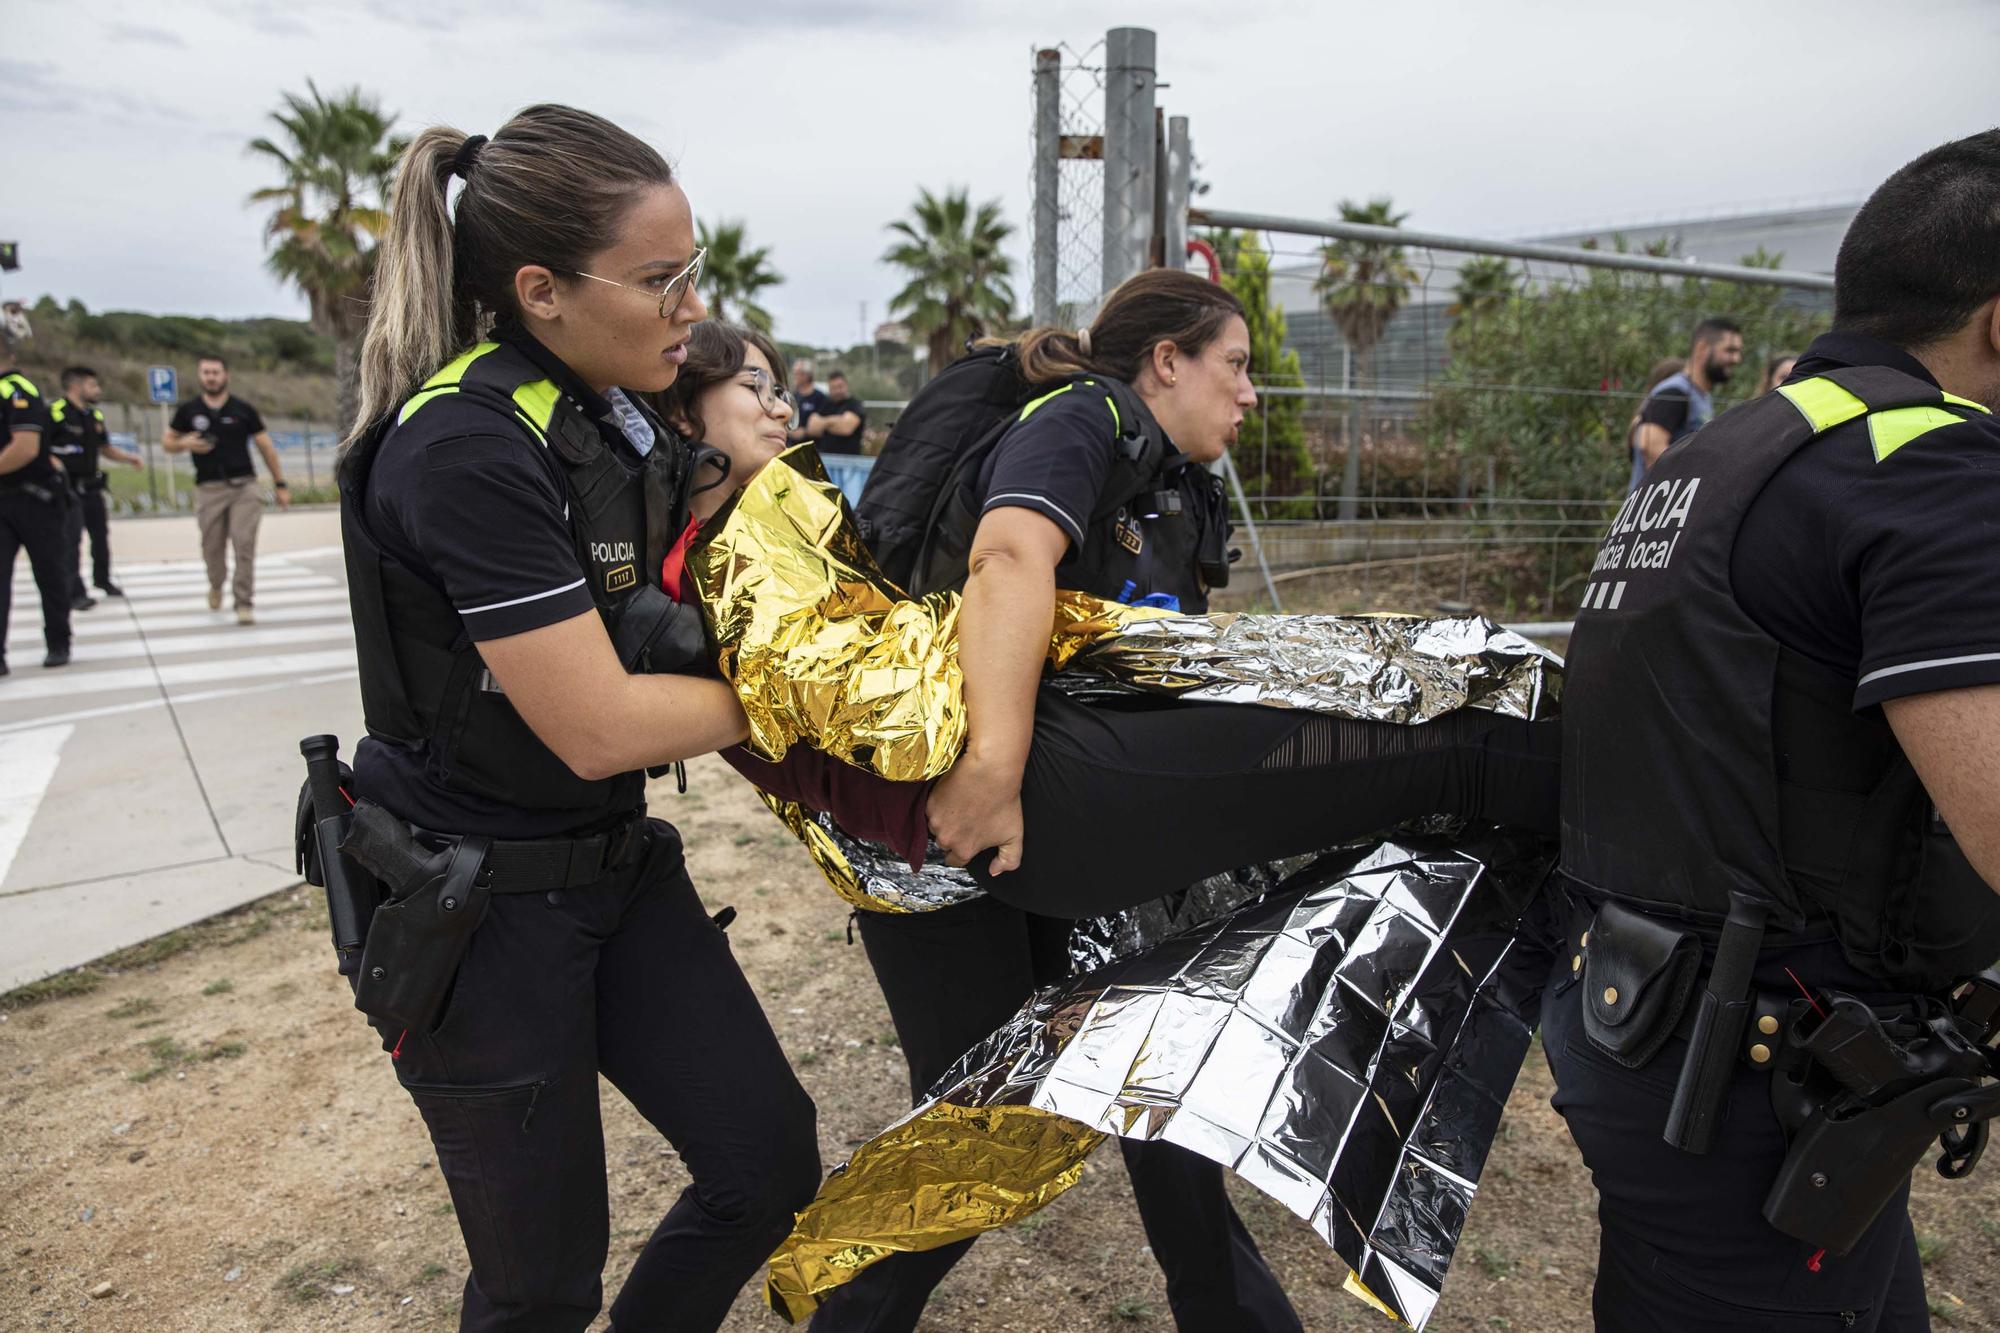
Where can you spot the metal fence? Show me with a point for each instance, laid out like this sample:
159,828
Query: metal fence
165,484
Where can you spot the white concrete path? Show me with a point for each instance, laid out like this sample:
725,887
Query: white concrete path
151,783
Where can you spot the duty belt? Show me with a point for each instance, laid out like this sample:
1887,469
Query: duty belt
540,864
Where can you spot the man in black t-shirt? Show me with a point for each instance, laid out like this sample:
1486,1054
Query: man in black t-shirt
837,423
218,428
77,439
808,396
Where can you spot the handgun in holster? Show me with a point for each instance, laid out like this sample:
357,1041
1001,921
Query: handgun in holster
437,896
320,827
1893,1086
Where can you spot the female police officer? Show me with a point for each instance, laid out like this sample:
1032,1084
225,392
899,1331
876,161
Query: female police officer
499,504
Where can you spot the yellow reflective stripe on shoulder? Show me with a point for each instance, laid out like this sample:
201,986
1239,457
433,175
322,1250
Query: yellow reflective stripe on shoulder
1116,424
1891,430
1823,403
58,409
1967,402
98,413
537,402
20,383
1029,410
445,381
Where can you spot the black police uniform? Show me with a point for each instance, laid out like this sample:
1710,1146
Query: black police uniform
1727,769
34,513
849,443
952,976
504,498
77,438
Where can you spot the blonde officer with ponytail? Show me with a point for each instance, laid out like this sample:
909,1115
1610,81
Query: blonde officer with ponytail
519,674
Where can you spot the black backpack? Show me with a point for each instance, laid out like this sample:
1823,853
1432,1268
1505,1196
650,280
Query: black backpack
917,512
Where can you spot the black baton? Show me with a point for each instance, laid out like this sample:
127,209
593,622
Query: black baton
346,910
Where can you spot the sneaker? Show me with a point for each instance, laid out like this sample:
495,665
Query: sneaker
244,617
5,670
215,599
111,590
58,657
82,602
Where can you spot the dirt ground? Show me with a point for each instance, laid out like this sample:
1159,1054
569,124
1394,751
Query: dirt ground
201,1134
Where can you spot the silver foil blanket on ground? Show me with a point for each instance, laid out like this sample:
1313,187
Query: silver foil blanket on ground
1345,1043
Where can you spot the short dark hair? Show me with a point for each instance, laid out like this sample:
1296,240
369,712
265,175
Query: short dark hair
836,374
211,356
1924,251
74,375
1711,329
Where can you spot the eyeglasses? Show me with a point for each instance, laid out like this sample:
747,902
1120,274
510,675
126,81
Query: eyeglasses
771,396
676,289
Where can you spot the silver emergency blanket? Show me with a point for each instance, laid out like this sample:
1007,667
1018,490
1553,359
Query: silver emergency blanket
1344,1042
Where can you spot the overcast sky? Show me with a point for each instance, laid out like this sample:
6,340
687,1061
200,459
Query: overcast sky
817,120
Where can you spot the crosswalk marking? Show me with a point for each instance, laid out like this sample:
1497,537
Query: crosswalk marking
222,641
70,682
186,697
107,622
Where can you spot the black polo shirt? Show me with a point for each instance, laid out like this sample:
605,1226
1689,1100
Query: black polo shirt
1055,460
830,443
22,409
472,502
229,428
76,435
1882,571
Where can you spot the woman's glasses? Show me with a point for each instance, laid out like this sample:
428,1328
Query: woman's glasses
772,396
676,289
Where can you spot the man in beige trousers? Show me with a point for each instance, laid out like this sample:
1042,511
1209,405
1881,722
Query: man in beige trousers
217,429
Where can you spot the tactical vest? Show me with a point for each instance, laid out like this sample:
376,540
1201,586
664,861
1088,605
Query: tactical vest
83,434
19,387
1700,756
1160,529
423,683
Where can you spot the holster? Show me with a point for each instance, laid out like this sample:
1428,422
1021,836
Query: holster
351,892
418,938
1637,977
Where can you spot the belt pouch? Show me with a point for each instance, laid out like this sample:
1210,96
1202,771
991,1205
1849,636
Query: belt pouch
1638,974
416,942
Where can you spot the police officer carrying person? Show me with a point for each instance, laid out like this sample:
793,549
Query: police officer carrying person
1781,804
78,438
34,502
1097,487
519,671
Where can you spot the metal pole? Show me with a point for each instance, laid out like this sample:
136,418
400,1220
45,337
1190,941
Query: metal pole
1249,523
1553,254
1180,184
1129,84
1048,180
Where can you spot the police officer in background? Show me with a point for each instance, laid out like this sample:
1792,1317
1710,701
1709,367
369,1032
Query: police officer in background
1781,804
34,502
77,438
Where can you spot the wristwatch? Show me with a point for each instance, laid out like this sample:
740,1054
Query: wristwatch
279,485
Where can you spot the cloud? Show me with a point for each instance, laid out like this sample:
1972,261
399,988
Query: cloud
139,32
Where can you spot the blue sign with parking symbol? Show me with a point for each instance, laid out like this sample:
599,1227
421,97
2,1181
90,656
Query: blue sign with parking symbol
160,383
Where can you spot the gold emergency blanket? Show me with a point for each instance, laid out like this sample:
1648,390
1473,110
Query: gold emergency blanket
824,650
1345,1043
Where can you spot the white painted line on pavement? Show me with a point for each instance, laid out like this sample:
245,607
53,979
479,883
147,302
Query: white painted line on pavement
186,587
28,762
283,597
194,697
98,652
67,682
95,626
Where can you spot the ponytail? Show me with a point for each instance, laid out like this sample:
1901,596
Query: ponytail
1147,309
417,318
551,187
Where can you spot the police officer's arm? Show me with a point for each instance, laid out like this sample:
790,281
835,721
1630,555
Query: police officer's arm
1652,441
115,453
22,446
1953,740
1003,638
566,683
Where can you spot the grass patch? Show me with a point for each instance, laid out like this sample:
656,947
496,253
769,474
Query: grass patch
430,1273
76,981
746,839
447,1208
156,950
805,1058
1492,1262
306,1283
1032,1223
1131,1309
227,1050
133,1008
168,1055
1931,1247
219,986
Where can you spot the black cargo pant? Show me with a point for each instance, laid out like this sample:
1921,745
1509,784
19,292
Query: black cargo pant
30,521
627,977
951,977
1684,1243
87,515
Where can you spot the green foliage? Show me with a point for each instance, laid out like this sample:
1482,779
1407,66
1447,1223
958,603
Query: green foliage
957,286
1270,453
1363,284
334,157
734,274
1543,379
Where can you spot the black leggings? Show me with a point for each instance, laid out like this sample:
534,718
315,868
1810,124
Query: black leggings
1124,803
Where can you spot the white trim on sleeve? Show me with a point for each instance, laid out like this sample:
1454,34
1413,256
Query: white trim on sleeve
531,597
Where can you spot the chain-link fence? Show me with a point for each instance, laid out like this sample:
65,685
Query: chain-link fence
1065,229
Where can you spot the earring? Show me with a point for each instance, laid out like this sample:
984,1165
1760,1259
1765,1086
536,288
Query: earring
1173,380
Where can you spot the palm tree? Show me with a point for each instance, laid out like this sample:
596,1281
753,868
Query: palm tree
958,287
1362,284
335,156
733,273
1484,282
